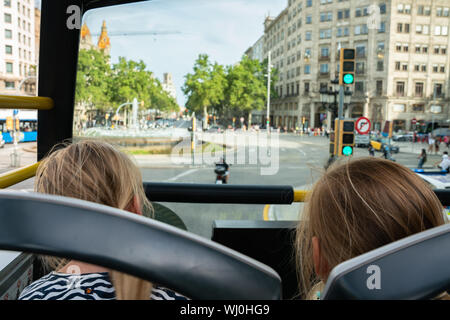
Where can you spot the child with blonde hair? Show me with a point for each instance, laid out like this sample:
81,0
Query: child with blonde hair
355,207
97,172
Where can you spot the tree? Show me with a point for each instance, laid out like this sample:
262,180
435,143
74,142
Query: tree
93,76
246,87
205,87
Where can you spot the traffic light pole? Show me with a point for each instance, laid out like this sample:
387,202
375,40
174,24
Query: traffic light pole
341,103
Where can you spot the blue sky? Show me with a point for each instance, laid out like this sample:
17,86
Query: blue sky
223,29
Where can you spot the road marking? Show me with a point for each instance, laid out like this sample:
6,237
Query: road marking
182,174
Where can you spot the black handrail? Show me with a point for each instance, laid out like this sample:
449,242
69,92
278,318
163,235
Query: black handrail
212,193
239,194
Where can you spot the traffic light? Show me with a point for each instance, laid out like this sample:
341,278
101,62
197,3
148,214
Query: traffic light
346,137
346,66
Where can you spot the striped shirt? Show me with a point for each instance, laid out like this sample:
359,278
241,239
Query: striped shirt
87,286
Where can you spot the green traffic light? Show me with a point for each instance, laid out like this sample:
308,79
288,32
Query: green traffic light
348,78
347,151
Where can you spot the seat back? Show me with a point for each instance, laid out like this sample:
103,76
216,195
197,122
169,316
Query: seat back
416,267
122,241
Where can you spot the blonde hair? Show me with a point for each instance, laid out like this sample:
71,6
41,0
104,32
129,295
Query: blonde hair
358,206
97,172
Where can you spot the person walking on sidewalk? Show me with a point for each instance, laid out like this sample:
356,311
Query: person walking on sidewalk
430,144
422,159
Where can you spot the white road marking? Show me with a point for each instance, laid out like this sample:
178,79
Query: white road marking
182,174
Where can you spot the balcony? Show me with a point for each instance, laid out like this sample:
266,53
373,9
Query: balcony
324,58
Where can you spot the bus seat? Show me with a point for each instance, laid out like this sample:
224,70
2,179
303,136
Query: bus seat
416,267
270,242
189,264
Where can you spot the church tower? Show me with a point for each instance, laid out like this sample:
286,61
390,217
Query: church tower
86,38
104,43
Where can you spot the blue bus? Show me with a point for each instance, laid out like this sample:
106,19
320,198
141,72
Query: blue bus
27,125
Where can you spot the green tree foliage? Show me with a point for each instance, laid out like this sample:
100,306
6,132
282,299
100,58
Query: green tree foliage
206,86
231,91
92,85
108,86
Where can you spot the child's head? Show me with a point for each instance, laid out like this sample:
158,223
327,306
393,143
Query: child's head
356,207
95,171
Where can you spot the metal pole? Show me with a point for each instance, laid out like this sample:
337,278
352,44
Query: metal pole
341,103
269,67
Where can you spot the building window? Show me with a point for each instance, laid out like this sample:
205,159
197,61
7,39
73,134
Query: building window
424,49
419,89
308,3
8,18
382,8
382,27
424,68
379,90
324,68
407,9
399,27
307,69
397,65
417,67
360,51
398,47
380,65
8,34
405,48
359,87
306,86
400,88
9,67
324,52
308,35
404,67
437,90
359,68
10,85
406,27
7,3
8,49
442,68
435,68
418,107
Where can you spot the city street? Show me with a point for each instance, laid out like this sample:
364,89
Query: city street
301,161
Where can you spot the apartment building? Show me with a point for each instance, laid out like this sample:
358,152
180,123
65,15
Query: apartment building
17,47
402,60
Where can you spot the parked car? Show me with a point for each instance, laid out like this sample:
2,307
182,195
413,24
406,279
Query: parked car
403,137
378,144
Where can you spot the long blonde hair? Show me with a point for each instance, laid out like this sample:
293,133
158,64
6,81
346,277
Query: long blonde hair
97,172
358,206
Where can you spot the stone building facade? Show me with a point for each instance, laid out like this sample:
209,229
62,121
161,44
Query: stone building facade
402,60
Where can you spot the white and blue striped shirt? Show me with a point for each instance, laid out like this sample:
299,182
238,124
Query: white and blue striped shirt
87,286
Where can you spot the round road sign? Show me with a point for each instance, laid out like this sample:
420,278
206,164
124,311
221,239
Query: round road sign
362,125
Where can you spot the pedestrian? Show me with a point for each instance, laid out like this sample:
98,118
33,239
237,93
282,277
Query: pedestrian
447,141
436,145
422,159
371,150
430,144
